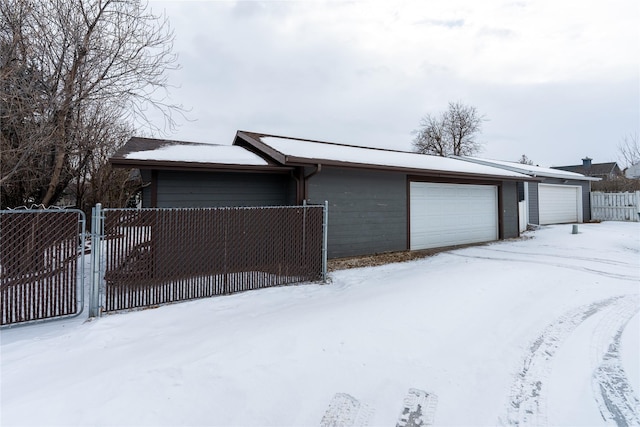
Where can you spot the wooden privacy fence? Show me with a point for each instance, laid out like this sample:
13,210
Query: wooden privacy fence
157,256
41,264
615,206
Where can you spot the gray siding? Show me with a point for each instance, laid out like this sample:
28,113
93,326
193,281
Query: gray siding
586,200
178,189
534,211
509,194
367,210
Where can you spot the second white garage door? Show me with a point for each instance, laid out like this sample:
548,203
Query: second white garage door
452,214
559,204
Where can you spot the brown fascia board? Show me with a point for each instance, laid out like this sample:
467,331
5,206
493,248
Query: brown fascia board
294,161
194,166
251,141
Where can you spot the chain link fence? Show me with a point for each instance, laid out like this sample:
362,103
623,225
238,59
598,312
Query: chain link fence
41,264
157,256
148,257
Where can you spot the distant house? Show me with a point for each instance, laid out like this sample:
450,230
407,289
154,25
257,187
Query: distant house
379,200
603,171
559,197
633,171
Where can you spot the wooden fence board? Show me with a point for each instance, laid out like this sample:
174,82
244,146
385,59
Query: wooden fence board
615,206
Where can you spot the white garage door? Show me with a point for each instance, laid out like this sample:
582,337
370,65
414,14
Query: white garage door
452,214
559,204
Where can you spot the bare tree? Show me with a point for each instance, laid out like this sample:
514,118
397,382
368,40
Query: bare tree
524,160
629,150
430,138
95,180
65,66
453,132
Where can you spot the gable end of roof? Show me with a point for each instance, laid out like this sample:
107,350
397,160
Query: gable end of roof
252,142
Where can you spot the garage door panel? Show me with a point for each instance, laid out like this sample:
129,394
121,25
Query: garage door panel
452,214
559,204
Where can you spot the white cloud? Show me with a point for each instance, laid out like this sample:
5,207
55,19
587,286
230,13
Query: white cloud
556,74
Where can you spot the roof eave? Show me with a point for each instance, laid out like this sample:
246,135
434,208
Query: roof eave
525,171
300,161
252,142
204,167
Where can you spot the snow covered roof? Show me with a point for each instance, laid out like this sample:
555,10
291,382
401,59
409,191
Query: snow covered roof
201,153
294,151
262,152
530,170
174,153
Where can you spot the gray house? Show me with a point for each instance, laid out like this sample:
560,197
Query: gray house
605,171
559,196
379,200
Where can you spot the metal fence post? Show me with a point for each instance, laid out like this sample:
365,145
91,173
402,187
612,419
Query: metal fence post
96,256
304,227
325,234
81,260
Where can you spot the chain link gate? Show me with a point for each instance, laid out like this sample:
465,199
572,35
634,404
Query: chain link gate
148,257
41,264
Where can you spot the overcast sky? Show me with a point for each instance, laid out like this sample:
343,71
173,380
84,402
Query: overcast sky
557,80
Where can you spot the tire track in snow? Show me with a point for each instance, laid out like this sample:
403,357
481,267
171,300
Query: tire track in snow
596,260
612,391
527,403
634,278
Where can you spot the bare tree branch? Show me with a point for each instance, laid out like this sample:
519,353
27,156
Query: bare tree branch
524,160
453,132
629,150
67,65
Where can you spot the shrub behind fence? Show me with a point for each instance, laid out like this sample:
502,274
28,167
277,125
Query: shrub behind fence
40,264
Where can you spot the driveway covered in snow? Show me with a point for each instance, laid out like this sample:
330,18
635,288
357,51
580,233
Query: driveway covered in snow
538,331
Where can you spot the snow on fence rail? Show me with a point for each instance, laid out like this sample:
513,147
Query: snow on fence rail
615,206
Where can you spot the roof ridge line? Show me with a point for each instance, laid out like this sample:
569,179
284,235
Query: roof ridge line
177,141
340,144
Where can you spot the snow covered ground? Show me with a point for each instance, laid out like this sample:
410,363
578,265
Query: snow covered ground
538,331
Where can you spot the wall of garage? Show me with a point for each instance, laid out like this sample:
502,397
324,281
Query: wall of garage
532,193
509,203
367,210
180,189
534,212
586,198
